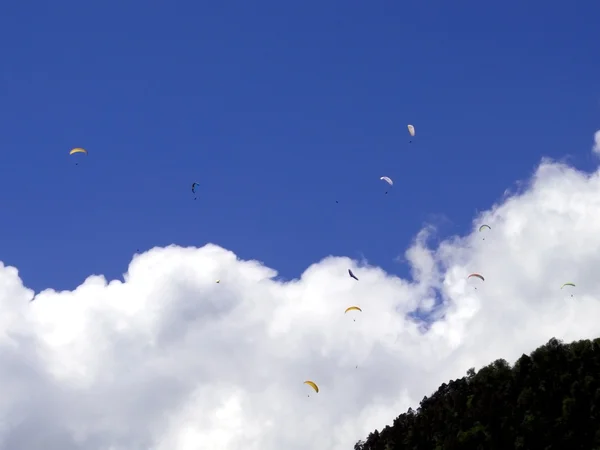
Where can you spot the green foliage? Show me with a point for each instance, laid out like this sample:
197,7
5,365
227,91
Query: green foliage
549,400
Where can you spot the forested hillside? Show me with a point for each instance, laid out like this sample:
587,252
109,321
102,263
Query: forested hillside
548,400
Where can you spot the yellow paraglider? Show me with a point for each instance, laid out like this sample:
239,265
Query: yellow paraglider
313,385
218,281
78,150
353,308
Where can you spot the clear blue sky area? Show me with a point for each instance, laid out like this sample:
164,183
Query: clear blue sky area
278,109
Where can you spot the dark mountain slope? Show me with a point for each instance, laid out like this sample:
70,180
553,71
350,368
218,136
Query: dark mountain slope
549,400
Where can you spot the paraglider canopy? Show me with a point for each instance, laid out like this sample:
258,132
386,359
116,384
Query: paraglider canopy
78,150
411,131
476,275
568,284
194,186
313,385
388,180
352,274
484,227
353,308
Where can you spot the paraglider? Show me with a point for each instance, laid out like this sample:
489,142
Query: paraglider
388,180
78,150
218,281
484,227
568,284
353,308
411,131
194,186
352,274
313,385
476,275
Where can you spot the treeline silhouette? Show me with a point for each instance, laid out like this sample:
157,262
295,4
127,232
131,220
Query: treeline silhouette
548,400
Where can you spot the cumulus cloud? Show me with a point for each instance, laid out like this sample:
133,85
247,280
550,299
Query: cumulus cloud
596,147
170,359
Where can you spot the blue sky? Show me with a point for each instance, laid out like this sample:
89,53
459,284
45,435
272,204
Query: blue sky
277,109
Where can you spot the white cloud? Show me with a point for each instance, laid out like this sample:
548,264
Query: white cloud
596,147
170,359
